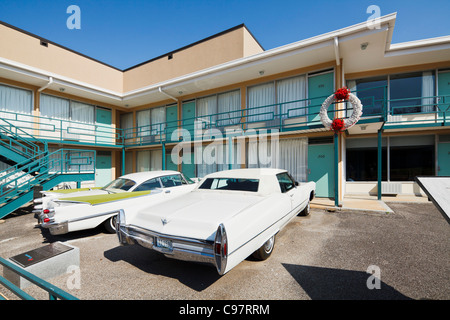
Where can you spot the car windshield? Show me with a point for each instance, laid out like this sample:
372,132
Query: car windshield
230,184
119,185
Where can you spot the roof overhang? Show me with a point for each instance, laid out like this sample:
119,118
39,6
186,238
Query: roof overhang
345,44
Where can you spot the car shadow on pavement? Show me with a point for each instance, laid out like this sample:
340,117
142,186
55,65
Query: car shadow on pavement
197,276
336,284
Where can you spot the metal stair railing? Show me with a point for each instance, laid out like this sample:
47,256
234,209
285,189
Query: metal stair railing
16,180
53,291
20,141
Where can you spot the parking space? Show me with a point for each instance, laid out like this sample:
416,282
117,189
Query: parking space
326,255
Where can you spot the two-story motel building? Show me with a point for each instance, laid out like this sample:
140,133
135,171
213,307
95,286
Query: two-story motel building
53,96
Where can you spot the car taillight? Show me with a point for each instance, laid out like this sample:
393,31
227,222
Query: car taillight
46,211
46,220
221,249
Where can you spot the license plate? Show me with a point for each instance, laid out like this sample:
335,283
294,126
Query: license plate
164,243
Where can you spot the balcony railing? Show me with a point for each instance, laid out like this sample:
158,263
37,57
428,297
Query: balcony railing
287,116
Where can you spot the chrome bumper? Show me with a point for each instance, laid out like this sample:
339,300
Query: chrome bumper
180,248
56,228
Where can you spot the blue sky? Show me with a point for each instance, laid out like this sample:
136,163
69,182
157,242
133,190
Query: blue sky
125,33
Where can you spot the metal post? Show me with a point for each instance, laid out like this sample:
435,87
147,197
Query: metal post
123,160
336,169
379,166
163,156
230,150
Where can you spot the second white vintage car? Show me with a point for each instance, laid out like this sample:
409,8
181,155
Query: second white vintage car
62,213
229,216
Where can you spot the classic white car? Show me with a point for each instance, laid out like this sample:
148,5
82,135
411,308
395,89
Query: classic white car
229,216
86,209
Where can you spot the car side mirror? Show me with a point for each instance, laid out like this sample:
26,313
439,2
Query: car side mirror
296,183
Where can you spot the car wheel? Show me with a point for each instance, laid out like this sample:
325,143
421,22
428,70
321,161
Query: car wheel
305,212
266,249
110,224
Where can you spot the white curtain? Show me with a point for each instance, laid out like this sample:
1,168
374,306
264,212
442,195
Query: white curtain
158,119
126,124
15,100
205,107
261,96
215,157
292,89
351,85
293,157
82,112
54,107
427,91
262,153
143,122
143,161
155,160
229,106
149,160
288,154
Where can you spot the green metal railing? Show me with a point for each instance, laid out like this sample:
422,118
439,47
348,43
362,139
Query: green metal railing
53,291
63,161
287,116
60,130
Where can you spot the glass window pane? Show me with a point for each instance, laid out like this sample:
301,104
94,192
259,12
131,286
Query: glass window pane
372,93
405,93
411,161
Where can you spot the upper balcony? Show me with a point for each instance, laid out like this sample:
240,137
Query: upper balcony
300,116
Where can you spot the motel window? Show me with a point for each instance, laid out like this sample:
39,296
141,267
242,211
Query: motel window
372,92
149,160
411,156
215,157
403,158
408,93
412,92
151,121
65,109
283,98
288,154
219,110
15,100
126,124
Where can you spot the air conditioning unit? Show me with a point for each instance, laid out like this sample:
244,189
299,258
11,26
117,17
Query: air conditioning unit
391,188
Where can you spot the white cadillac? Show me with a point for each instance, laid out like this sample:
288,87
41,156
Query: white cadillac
229,216
64,211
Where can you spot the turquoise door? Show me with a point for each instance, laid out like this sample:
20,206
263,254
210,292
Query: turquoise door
444,159
319,88
188,116
444,90
104,130
170,165
321,169
103,171
188,169
171,122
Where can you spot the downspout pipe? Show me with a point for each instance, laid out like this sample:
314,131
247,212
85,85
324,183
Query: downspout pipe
166,94
50,81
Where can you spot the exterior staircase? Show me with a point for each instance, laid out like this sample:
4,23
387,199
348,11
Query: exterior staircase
31,165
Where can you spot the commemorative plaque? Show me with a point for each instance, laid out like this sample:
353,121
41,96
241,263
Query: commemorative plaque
40,254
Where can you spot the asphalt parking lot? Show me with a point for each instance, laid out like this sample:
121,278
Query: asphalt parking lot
326,255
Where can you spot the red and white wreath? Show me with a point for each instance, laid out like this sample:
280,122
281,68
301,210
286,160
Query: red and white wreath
339,124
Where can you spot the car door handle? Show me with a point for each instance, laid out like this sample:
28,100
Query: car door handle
291,195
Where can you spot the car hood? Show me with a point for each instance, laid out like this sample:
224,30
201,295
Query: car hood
193,215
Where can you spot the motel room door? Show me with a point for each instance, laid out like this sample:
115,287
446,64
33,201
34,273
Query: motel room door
103,171
104,132
320,86
321,168
171,121
188,115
